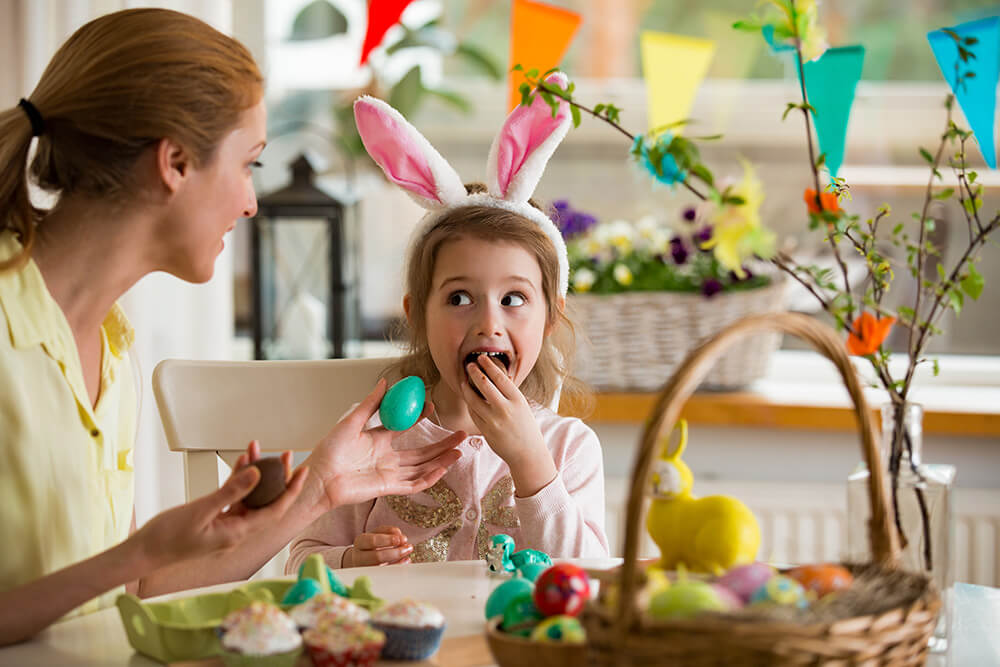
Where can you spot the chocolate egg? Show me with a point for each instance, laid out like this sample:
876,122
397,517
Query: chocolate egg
504,593
270,485
559,630
822,579
402,404
562,589
685,599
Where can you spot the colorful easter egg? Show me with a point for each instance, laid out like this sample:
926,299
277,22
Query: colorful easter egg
559,630
504,593
530,571
301,591
729,598
562,589
822,579
521,616
402,404
685,599
745,579
780,590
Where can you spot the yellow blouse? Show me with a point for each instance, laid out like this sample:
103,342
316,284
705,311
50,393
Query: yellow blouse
65,468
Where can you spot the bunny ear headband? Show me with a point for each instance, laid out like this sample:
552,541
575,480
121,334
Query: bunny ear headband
517,158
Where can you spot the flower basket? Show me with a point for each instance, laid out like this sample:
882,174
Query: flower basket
887,623
633,340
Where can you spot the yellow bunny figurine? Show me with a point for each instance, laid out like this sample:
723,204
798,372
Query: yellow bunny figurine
710,534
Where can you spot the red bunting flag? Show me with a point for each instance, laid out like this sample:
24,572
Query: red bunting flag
382,15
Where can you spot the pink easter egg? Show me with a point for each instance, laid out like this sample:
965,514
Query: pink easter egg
731,600
743,580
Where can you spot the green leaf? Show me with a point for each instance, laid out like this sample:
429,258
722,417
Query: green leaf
956,300
451,98
517,68
532,74
821,160
973,283
317,20
406,94
937,368
926,155
575,112
945,194
598,109
897,229
907,313
480,58
788,109
972,176
702,172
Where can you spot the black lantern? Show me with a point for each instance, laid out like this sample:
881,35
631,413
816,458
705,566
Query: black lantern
304,264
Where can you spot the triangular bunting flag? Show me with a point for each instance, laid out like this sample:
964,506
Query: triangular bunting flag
382,15
673,67
830,83
977,95
539,37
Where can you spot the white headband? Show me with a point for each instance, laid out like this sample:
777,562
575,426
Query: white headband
520,151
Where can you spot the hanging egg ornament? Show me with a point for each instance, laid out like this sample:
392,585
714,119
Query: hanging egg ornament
521,616
504,593
822,579
780,590
559,630
685,599
562,589
744,580
403,403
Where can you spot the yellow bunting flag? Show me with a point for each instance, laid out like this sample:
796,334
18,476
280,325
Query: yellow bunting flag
539,36
673,67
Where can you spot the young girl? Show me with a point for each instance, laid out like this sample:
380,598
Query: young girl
486,284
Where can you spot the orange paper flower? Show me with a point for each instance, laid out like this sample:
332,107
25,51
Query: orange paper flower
872,332
828,201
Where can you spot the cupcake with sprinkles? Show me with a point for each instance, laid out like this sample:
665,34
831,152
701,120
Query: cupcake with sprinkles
260,635
327,606
412,629
338,644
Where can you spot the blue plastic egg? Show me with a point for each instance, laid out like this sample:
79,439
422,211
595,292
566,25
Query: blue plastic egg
301,591
780,590
504,593
530,571
402,404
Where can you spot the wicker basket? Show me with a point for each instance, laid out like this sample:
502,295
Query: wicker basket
635,339
890,633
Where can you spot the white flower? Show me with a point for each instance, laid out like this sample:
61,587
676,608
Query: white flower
583,280
619,234
647,227
623,275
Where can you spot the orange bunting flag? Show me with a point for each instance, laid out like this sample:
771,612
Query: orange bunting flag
828,200
872,333
539,37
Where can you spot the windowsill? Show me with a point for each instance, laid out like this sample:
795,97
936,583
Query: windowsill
803,391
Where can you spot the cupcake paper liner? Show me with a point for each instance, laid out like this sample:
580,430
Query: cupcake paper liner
403,643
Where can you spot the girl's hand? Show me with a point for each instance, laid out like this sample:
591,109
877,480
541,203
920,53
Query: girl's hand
386,546
506,419
355,465
205,526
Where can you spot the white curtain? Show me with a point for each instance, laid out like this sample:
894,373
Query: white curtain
171,318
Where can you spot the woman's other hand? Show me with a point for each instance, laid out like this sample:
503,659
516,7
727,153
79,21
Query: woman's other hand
216,522
385,546
355,464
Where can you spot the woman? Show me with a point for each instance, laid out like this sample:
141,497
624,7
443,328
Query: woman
148,123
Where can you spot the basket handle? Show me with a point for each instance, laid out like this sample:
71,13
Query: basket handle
882,535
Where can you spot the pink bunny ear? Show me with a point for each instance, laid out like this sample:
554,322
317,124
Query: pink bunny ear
524,145
406,157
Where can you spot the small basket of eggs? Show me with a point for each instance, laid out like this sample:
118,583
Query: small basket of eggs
705,602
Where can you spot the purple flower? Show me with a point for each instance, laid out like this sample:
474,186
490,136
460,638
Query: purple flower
703,235
711,287
678,250
569,221
689,214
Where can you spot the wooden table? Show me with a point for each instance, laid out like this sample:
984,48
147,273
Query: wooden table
459,589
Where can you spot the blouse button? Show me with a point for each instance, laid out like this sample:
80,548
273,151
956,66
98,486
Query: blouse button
476,442
94,433
470,514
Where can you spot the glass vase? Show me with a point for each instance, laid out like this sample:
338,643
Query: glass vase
922,496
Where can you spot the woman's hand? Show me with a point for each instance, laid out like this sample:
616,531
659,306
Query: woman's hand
386,546
507,421
355,465
205,526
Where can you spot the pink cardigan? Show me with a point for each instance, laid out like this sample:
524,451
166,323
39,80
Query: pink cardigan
455,518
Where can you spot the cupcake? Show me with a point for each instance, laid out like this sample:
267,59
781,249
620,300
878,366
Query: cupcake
260,635
338,644
412,629
327,606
